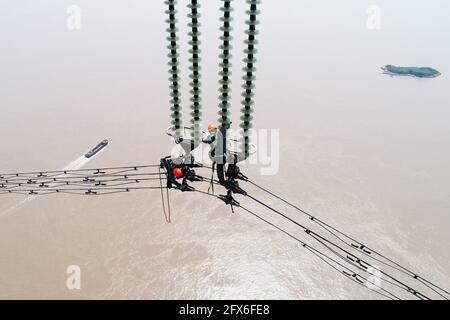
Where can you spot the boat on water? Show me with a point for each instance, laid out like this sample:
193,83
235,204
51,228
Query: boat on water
97,149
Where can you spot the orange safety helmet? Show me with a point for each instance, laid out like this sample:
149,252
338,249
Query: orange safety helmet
177,172
212,127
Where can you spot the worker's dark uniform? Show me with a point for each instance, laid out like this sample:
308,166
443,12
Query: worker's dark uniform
212,140
168,164
188,174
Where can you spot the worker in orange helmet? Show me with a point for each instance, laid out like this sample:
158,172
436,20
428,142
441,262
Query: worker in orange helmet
211,138
177,172
212,128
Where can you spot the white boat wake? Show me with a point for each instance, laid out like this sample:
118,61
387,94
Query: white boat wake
78,163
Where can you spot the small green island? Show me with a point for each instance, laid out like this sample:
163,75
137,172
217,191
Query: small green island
419,72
